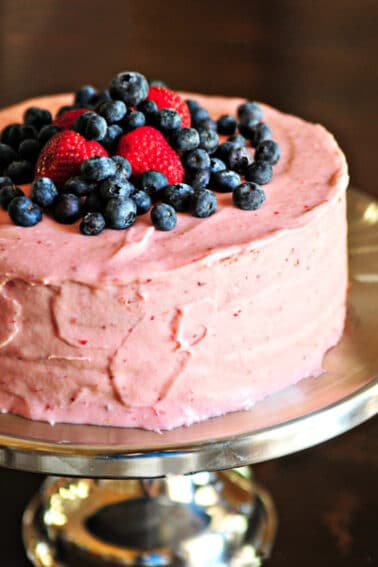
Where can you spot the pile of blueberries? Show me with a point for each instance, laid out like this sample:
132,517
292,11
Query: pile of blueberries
105,194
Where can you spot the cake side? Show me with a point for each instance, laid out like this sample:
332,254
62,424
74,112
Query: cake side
155,330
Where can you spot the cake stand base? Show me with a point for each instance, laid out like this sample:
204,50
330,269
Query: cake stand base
199,520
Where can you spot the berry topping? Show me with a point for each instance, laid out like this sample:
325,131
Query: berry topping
209,139
20,171
217,164
5,181
46,133
163,217
78,186
198,178
130,87
226,125
153,182
37,117
114,187
239,159
203,203
149,108
268,150
91,125
43,192
63,154
185,139
8,193
178,196
113,134
142,201
250,111
196,159
260,172
98,168
166,98
123,167
167,120
225,181
29,149
248,196
7,155
146,148
92,224
113,110
67,119
66,209
256,133
237,140
84,95
24,212
120,213
134,119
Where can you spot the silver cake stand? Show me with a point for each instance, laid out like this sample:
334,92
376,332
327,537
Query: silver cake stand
187,497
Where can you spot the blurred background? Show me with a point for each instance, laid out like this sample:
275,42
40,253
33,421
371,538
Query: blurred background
315,58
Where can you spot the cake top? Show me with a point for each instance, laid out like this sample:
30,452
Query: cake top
312,170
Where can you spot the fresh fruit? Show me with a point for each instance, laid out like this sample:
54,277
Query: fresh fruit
37,117
248,196
66,209
142,201
163,217
153,183
166,98
91,125
268,150
120,213
8,193
63,154
29,149
196,159
256,133
98,168
43,192
92,224
260,172
20,171
146,149
113,133
46,133
198,178
112,110
24,212
7,155
209,139
225,181
67,119
185,139
226,125
203,203
123,167
167,119
84,95
178,196
130,87
78,186
239,159
249,111
133,119
217,164
114,187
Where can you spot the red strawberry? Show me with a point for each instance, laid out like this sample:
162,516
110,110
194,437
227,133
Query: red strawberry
165,98
63,154
146,148
67,119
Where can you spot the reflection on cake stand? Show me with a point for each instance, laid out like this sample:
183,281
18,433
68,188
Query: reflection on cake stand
135,497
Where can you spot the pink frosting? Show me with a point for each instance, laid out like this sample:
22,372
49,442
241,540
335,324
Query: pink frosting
153,329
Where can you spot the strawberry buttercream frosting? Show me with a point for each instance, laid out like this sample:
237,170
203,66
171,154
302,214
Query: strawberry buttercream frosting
151,329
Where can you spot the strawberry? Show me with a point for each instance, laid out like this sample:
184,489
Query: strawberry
63,154
165,98
146,148
67,119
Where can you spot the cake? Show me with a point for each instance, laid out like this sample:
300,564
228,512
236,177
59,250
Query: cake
159,329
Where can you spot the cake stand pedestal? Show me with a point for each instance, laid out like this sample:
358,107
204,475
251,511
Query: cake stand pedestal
142,498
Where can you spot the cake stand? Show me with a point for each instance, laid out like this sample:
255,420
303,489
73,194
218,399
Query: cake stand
186,497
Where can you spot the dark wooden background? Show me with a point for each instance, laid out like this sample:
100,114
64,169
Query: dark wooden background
315,58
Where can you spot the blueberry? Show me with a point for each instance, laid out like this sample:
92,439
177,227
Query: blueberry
129,86
78,186
226,125
93,202
198,178
225,181
237,140
153,182
43,192
203,203
91,125
98,168
239,159
167,119
260,172
113,133
206,124
196,159
223,150
192,105
149,109
209,139
114,187
268,150
217,164
7,155
199,114
185,139
250,111
98,97
142,201
29,149
14,134
92,224
24,212
113,111
178,196
84,95
20,171
248,196
133,120
163,217
66,209
5,181
46,133
8,193
123,167
120,213
37,117
256,133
